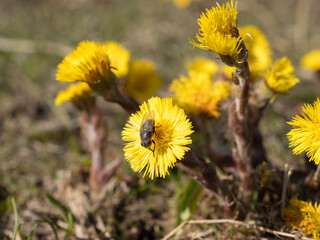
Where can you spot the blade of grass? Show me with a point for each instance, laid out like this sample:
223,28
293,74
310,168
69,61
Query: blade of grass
61,208
51,224
70,221
16,220
188,200
32,230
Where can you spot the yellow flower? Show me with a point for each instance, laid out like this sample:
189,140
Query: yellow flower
119,58
219,43
228,71
75,92
259,51
90,63
202,65
312,60
182,3
218,31
303,215
142,81
197,94
167,144
219,19
306,135
280,78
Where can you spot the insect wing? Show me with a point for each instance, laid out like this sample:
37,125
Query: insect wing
147,116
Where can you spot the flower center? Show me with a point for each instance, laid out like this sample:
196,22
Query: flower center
162,135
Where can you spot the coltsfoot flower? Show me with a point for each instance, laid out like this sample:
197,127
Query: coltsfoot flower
142,80
198,94
303,215
218,32
119,58
202,65
169,131
312,60
306,135
182,3
280,78
75,92
259,57
89,63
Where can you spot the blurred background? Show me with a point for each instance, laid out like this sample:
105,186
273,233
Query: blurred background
40,143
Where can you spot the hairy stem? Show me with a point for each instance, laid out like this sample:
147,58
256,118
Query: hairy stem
95,132
129,104
239,125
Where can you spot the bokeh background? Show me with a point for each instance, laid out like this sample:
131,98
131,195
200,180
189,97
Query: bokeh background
41,144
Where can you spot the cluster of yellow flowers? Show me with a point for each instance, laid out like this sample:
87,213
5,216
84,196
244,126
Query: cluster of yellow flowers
158,134
303,215
97,67
219,33
199,94
101,65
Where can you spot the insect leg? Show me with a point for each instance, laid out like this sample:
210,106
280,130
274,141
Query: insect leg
154,147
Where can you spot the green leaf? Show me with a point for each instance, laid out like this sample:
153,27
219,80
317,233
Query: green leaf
32,230
188,200
17,224
62,209
51,224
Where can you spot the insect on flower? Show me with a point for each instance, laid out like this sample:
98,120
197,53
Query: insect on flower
147,129
165,126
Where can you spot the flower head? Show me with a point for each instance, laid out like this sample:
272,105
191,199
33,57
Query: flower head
182,3
259,57
312,60
280,78
303,215
197,94
202,65
142,80
306,135
167,142
74,93
218,31
119,58
219,19
90,63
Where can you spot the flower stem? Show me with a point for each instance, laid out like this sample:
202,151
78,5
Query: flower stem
239,125
129,104
95,132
